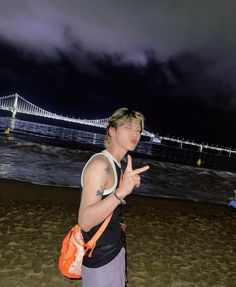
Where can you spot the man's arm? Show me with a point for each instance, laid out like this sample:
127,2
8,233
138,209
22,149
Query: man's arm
92,209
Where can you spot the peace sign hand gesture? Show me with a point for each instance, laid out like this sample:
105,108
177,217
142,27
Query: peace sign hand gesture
131,178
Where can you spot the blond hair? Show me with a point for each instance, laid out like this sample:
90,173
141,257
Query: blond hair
121,117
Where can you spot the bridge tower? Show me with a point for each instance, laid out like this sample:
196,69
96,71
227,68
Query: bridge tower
14,108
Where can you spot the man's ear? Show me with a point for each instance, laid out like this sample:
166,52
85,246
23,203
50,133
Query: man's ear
111,131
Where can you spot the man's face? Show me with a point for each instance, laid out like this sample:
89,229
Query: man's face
128,134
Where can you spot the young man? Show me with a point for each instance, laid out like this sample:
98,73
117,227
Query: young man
102,195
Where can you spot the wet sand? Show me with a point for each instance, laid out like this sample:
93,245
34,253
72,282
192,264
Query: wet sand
169,242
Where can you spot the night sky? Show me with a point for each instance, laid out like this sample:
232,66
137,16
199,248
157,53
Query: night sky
173,60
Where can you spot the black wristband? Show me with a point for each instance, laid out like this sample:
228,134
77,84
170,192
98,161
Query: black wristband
122,201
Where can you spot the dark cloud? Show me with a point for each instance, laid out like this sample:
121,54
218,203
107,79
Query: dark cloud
177,96
129,27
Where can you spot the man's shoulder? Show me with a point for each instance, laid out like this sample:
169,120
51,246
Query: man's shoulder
98,161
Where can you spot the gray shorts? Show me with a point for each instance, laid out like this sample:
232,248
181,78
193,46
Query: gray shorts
110,275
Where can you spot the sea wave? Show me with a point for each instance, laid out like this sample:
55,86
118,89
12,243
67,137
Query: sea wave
51,161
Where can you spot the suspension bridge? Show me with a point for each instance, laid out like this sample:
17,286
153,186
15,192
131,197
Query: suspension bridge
16,104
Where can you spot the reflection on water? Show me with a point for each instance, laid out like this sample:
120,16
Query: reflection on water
12,123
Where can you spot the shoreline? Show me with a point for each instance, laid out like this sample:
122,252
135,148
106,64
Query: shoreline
27,191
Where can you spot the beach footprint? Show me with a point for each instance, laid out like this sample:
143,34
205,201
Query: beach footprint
36,265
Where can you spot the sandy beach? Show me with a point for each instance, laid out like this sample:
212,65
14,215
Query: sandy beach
169,242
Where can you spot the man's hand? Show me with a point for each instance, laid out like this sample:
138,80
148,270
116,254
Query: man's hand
123,226
131,178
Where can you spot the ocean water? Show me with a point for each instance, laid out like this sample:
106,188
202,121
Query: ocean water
54,155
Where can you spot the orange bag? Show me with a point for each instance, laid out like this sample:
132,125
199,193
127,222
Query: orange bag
74,248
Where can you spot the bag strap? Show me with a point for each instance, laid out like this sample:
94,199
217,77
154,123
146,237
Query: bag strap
90,245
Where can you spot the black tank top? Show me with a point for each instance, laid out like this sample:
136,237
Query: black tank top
110,242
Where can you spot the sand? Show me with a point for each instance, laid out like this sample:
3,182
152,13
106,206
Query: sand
169,242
